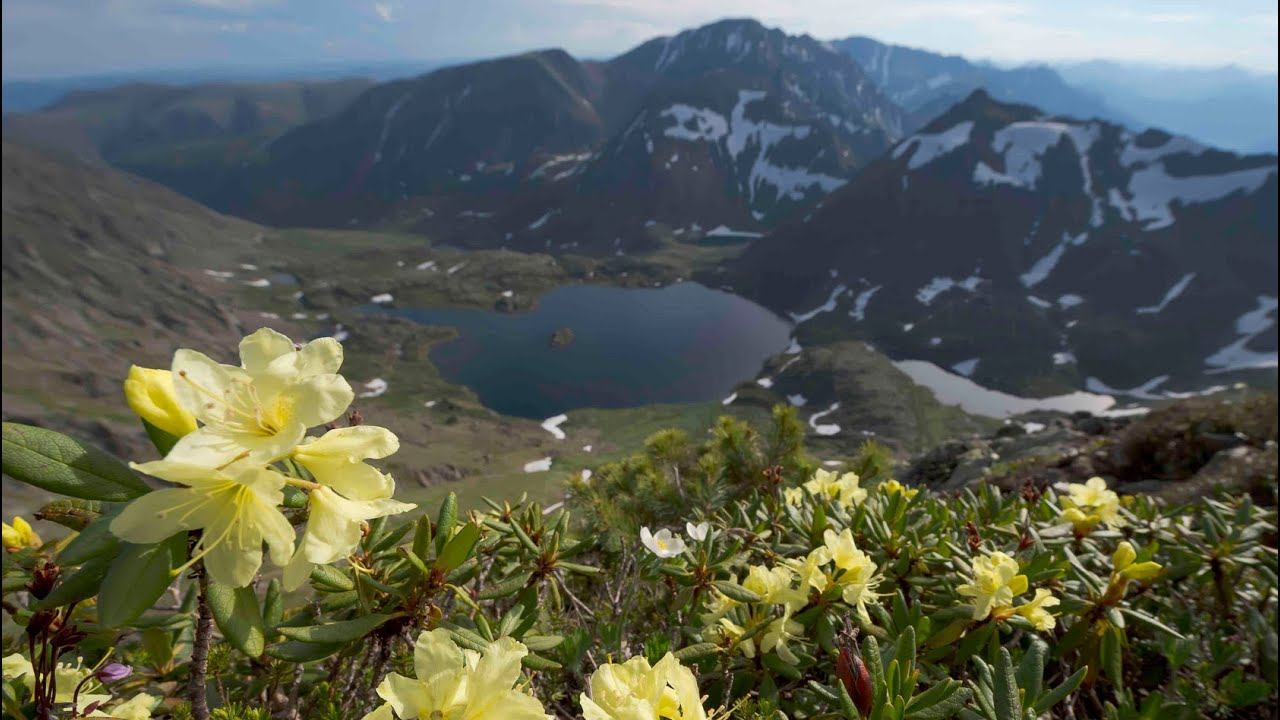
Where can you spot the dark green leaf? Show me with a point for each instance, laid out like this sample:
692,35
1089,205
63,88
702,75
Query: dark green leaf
54,462
139,575
336,632
238,616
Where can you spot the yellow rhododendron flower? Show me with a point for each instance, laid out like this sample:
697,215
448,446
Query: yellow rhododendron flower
778,636
842,488
137,707
810,570
150,395
236,507
1089,504
456,683
337,459
635,691
772,585
892,487
261,410
731,632
995,584
793,495
1125,567
333,530
1036,612
66,678
20,535
857,574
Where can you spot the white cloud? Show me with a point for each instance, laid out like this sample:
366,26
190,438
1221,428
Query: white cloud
383,10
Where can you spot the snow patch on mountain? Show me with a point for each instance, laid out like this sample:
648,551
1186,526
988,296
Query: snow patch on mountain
762,136
1171,295
542,220
939,285
859,311
386,125
952,389
695,124
931,146
966,367
1152,192
1145,391
825,429
725,232
552,425
1045,265
827,306
1237,356
1023,144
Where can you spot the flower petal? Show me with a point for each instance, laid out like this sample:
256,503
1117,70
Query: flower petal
319,399
434,653
200,384
261,347
163,513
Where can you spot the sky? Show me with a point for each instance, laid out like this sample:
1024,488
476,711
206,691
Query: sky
49,38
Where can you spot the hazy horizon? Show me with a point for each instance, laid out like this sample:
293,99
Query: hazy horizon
47,41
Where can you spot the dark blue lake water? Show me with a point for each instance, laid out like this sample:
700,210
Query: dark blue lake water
631,347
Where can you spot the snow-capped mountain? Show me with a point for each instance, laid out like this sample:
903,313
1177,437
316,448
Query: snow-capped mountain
731,123
1036,253
926,83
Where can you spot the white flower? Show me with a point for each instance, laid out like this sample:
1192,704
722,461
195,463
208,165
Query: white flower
663,543
698,532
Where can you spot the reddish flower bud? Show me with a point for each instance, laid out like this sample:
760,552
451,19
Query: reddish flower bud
43,578
855,677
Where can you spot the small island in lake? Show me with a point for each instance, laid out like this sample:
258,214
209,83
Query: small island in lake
562,337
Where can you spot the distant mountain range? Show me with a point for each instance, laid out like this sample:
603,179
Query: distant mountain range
1000,222
925,83
1227,107
1038,253
729,123
190,138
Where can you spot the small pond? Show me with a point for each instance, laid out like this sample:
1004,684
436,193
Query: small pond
628,347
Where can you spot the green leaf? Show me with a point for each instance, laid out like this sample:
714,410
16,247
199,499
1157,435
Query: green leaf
337,632
735,591
272,605
445,521
1151,621
303,652
328,577
541,643
95,540
238,616
1113,655
138,576
458,548
949,705
696,651
163,440
422,536
537,662
1031,669
71,513
507,587
1007,702
54,462
81,584
1056,695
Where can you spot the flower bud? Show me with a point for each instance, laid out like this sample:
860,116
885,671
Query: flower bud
43,578
150,395
853,674
19,535
113,672
1124,556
